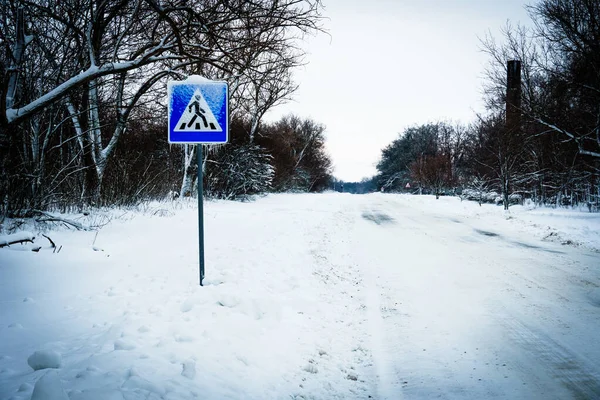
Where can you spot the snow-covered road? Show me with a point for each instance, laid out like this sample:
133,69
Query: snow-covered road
311,296
477,310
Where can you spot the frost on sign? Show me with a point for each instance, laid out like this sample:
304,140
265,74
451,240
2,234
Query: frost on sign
198,111
197,116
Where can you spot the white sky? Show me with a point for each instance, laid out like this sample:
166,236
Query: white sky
390,64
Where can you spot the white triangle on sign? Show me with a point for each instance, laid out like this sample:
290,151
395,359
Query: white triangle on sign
197,116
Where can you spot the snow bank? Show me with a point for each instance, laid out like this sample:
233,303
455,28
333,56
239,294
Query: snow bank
44,359
564,226
49,387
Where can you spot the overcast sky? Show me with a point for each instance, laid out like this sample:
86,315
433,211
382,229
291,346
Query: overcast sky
390,64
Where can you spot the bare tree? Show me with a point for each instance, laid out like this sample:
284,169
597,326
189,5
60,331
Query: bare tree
268,85
434,172
105,59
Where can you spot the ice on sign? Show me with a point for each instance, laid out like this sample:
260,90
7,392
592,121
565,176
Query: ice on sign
198,111
197,116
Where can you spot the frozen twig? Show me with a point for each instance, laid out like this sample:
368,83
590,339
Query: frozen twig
52,244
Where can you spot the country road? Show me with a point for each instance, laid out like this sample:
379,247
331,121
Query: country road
463,310
331,296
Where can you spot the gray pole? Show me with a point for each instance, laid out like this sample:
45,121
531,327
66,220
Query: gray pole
200,214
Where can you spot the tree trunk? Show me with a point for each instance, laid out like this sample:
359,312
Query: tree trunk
188,170
505,195
17,59
91,184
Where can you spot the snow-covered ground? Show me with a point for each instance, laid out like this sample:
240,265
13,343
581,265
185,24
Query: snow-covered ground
308,296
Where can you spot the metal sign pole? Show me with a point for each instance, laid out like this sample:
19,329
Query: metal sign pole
200,214
198,110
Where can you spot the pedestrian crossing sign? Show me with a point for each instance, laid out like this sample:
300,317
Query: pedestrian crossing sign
198,111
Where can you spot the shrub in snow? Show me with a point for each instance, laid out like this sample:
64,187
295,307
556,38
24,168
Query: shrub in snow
48,387
470,194
238,171
515,198
44,359
490,197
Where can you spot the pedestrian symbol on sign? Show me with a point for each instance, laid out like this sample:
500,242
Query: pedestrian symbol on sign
197,116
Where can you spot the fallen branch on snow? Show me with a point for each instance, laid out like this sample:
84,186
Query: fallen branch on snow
16,238
52,244
47,217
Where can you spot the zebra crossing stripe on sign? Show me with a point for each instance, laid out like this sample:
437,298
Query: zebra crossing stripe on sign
197,116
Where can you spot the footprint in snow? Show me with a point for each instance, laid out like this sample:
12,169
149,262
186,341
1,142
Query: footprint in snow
155,310
228,301
189,369
104,394
187,305
594,297
89,371
183,339
311,368
242,359
124,345
138,384
25,387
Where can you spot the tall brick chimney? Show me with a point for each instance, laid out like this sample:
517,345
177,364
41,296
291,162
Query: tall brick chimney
513,95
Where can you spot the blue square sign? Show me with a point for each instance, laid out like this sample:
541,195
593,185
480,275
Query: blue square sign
198,111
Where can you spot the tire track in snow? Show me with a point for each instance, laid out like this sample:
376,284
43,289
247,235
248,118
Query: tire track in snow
549,362
383,356
376,327
343,360
563,365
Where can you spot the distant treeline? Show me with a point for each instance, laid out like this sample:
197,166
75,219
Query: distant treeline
366,185
551,152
